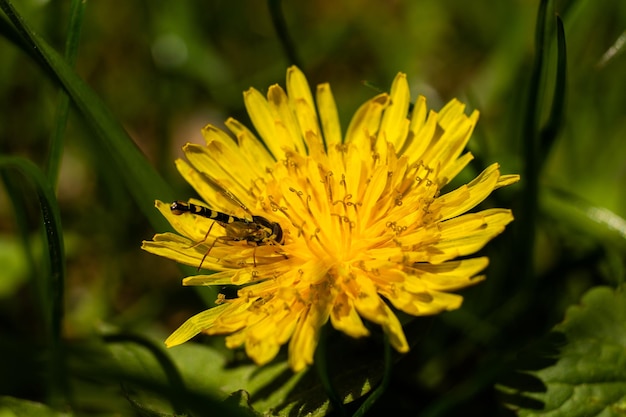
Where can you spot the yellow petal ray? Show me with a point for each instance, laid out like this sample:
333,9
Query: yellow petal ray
259,291
505,180
286,123
241,314
329,116
467,197
170,250
299,90
261,345
205,190
391,325
387,276
236,339
454,110
261,351
264,123
286,325
203,159
441,301
367,301
256,154
180,251
418,114
451,170
238,275
439,153
229,276
462,226
306,335
462,136
424,302
315,145
356,174
220,278
467,234
301,101
450,112
345,318
394,123
217,194
366,121
232,154
422,131
195,325
263,336
447,276
315,198
374,189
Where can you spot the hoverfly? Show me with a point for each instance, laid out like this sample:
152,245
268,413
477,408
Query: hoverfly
256,230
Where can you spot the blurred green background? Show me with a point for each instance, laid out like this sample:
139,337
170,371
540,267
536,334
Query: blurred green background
167,68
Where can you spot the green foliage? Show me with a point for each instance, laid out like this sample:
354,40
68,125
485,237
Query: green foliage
589,376
15,407
143,183
83,312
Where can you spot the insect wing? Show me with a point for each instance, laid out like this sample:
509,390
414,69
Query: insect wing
240,229
231,203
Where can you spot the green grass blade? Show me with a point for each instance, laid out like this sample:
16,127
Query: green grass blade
614,51
550,131
280,25
52,286
10,33
141,179
77,11
530,175
582,215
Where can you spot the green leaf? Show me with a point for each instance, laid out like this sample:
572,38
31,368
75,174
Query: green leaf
161,363
589,377
16,407
355,368
241,400
148,369
206,370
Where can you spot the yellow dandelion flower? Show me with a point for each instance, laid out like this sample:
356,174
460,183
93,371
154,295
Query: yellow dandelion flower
315,227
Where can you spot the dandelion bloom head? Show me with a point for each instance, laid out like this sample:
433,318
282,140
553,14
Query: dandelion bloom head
326,227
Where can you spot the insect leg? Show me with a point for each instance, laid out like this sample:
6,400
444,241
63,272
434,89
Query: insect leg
211,247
